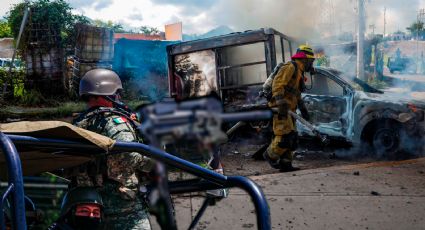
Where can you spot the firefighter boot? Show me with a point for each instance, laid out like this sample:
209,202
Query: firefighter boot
286,166
273,163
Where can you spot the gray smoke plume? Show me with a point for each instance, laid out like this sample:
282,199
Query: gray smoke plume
305,18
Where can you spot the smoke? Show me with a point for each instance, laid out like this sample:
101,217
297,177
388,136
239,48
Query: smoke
399,14
310,20
291,17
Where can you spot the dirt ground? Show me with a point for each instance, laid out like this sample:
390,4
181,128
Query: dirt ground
237,159
330,192
335,189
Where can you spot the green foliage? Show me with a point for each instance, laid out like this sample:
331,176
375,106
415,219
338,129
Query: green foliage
14,18
56,13
60,110
149,30
116,27
17,78
31,97
5,31
417,28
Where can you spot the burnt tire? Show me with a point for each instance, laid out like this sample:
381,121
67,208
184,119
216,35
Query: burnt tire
386,140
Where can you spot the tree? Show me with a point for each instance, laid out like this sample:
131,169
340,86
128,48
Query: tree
147,30
5,31
417,29
55,15
116,27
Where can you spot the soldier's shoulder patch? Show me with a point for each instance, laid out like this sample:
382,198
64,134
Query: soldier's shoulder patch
119,120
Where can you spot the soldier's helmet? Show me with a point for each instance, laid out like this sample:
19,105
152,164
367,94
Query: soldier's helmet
100,82
80,195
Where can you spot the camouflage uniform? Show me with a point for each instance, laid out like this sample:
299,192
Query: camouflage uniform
118,182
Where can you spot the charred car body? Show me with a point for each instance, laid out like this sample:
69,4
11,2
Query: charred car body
346,109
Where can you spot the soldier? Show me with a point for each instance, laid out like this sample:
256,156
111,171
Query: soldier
287,85
82,208
115,175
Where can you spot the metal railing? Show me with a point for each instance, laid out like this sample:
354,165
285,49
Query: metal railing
208,179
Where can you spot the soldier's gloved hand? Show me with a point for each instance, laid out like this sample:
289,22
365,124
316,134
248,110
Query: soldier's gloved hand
283,110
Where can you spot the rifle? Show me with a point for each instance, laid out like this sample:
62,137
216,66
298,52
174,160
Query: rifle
196,121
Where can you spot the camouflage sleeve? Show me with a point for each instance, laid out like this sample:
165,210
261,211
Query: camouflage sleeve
122,131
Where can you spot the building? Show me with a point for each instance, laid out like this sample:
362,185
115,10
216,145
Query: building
134,36
6,47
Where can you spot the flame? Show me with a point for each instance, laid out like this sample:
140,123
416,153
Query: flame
412,107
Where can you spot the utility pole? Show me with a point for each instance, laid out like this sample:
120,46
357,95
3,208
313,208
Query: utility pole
420,21
360,39
15,49
385,20
373,27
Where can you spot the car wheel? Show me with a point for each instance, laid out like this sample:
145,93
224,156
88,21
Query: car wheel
386,140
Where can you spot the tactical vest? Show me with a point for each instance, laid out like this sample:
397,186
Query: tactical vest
97,169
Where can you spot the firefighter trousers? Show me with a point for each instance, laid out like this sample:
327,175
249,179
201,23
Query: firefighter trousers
285,139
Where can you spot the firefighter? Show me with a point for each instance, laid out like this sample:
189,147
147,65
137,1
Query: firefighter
287,85
82,208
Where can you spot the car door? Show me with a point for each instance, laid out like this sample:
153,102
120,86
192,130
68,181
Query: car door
327,102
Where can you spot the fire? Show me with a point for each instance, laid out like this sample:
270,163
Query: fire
412,107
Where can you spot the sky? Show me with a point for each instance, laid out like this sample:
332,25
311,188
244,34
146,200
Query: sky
293,17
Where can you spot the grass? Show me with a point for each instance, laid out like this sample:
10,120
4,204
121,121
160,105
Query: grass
35,113
62,110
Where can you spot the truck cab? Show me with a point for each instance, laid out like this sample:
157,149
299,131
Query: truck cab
232,66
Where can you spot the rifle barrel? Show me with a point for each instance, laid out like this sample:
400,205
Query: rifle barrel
247,116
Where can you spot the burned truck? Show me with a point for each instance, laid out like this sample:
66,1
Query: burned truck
348,109
342,107
234,66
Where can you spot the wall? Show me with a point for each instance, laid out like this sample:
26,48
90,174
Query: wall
6,47
142,65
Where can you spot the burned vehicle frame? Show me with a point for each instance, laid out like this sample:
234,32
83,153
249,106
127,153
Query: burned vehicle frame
348,109
344,109
234,66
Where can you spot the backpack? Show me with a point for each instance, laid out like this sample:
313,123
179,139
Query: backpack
268,84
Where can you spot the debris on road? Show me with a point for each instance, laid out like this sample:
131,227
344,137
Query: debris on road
375,193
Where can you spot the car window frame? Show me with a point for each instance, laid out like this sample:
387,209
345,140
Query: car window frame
347,89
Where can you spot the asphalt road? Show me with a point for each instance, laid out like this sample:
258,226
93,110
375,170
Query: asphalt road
380,195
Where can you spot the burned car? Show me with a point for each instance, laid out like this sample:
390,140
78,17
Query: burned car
346,108
235,66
